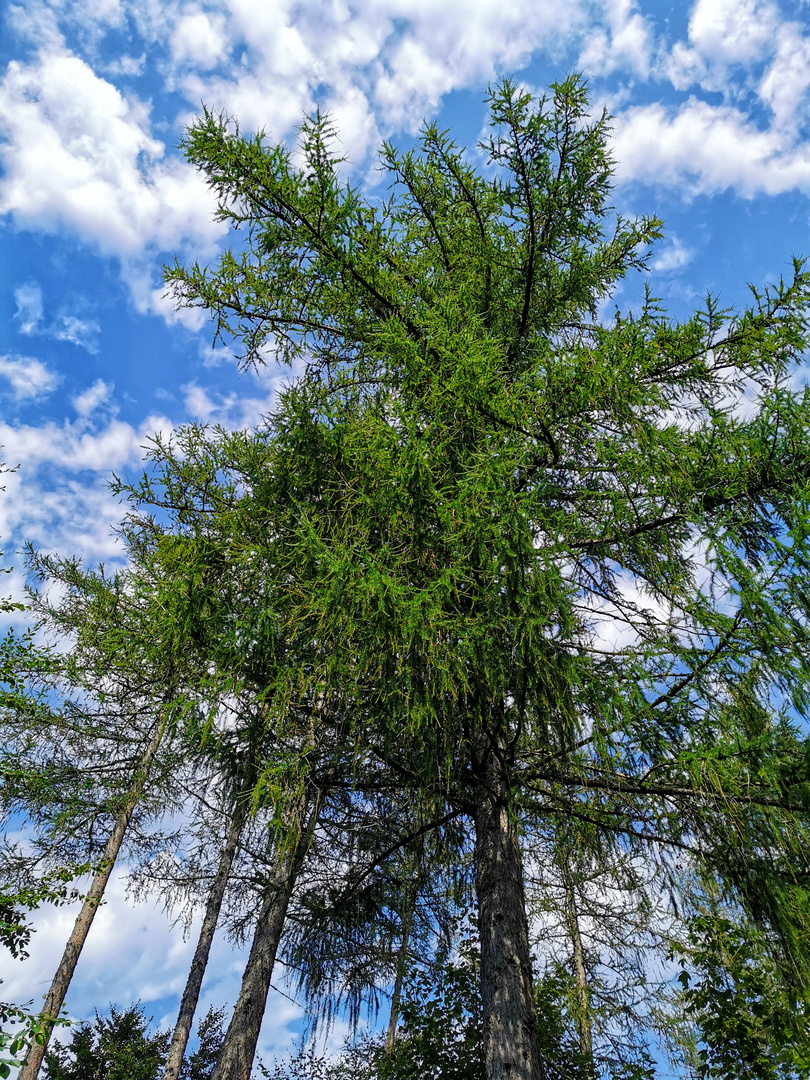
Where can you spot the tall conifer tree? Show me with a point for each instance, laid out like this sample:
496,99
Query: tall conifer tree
556,562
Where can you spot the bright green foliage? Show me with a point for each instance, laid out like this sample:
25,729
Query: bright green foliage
749,1023
440,1034
498,525
19,659
30,1029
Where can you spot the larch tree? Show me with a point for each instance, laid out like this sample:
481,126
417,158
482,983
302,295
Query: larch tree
99,733
557,561
129,676
332,838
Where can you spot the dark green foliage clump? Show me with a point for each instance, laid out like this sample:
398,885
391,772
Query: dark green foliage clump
748,1023
114,1047
121,1047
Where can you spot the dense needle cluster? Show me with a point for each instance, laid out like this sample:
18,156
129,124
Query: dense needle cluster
508,596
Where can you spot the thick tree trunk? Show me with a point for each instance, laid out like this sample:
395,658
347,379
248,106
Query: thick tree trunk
510,1022
191,994
238,1050
64,973
583,1015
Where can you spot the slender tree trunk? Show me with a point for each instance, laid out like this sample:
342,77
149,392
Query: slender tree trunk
583,1014
191,994
236,1058
510,1023
402,964
70,957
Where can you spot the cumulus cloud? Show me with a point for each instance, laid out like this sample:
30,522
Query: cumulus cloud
733,31
29,379
460,43
701,148
37,23
77,331
151,299
126,65
59,497
199,38
723,33
90,399
730,41
78,155
28,299
673,257
151,963
785,84
78,445
625,41
384,64
232,411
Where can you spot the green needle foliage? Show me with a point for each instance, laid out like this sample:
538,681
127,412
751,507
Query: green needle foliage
553,566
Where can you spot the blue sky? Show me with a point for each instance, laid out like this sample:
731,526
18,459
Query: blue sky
712,123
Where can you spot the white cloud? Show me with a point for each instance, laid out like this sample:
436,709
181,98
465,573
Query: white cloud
785,84
77,331
625,43
126,65
75,516
51,500
73,445
231,410
29,378
79,155
108,12
457,44
37,23
722,34
151,963
29,314
702,148
199,38
674,256
733,31
385,63
154,300
89,400
28,299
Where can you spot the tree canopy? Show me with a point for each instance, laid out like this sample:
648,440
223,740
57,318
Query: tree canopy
529,573
555,559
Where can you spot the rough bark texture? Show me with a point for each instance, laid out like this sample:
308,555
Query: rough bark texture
191,994
70,957
583,1015
236,1059
510,1022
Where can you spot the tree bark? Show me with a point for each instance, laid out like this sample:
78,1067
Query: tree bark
583,1014
191,994
236,1058
510,1023
402,963
70,957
